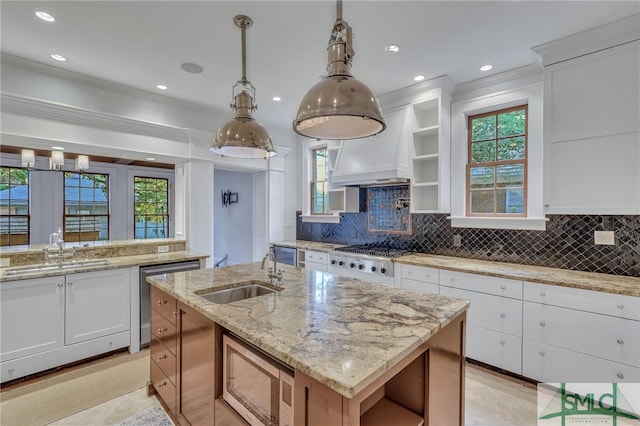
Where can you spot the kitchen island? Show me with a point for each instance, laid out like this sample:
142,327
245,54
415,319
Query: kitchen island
353,346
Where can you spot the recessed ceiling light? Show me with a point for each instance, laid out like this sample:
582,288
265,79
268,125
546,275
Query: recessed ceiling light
276,98
192,68
45,16
486,67
150,159
58,147
58,57
418,77
161,87
392,48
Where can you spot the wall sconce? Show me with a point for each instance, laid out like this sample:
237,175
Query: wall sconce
28,158
229,198
82,163
57,160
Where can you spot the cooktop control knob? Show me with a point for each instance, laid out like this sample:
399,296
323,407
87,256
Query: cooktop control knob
373,269
333,262
352,265
341,263
361,266
383,270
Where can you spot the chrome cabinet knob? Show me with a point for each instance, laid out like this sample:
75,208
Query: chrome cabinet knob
542,353
543,324
162,302
502,342
620,376
542,294
620,306
620,341
160,358
503,287
162,330
503,315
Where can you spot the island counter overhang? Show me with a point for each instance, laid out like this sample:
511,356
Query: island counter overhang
340,332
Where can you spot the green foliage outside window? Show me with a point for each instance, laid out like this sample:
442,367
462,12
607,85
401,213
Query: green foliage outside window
497,169
14,206
151,207
319,186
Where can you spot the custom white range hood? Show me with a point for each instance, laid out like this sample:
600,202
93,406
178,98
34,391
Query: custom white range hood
376,160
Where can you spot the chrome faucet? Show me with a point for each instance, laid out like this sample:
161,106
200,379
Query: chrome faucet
274,275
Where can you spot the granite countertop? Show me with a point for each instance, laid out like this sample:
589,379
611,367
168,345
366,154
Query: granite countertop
340,331
115,262
607,283
6,250
309,245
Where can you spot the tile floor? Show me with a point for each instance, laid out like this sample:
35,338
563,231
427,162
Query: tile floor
491,399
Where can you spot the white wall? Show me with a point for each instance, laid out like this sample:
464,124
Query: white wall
233,224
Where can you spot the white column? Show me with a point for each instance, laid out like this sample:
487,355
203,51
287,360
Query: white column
194,206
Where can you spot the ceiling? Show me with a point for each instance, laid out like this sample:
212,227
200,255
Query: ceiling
144,43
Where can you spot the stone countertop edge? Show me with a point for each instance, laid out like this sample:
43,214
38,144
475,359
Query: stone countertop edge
115,263
308,245
607,283
343,332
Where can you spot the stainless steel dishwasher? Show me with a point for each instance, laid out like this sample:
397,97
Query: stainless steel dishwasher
145,292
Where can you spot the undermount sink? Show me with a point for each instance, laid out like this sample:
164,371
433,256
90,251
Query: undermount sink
61,267
240,291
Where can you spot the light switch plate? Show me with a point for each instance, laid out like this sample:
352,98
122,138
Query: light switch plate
5,262
163,249
606,238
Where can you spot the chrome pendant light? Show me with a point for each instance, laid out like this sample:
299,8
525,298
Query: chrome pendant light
243,137
339,106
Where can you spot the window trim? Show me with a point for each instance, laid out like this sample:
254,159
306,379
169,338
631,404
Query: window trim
497,163
313,181
487,99
307,156
27,216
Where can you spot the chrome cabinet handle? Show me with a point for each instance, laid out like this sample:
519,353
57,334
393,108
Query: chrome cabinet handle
70,283
60,284
162,384
162,302
620,306
542,324
503,287
542,353
620,376
503,315
620,341
160,358
161,330
542,294
502,342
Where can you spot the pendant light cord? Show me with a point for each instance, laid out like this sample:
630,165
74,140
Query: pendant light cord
339,11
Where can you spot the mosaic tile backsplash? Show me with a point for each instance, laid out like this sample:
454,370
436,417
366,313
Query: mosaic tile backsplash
567,242
388,209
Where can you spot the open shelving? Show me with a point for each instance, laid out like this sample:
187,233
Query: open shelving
342,199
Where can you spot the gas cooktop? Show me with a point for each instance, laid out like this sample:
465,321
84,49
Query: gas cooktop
360,260
372,250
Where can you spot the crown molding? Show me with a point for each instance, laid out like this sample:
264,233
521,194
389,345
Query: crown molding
605,36
415,92
55,111
517,77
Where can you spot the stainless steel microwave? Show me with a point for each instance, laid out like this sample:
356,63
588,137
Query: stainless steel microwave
259,388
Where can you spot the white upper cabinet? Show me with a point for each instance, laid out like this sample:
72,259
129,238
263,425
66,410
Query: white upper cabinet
591,123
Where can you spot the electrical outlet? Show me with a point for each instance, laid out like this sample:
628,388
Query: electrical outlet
354,234
163,249
5,262
457,240
606,238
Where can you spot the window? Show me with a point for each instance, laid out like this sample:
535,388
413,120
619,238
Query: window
497,168
151,207
86,206
319,185
14,206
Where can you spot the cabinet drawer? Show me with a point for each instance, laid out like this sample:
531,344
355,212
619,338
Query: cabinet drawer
164,304
494,348
421,273
482,283
315,257
611,338
489,311
316,266
420,286
550,364
585,300
163,330
164,359
164,387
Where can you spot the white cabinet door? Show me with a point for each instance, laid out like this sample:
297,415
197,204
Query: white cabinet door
494,348
32,316
97,304
592,154
420,286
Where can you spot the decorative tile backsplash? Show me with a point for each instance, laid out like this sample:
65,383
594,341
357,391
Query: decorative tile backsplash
567,242
388,209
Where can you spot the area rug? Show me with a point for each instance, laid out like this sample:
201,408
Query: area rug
153,416
50,398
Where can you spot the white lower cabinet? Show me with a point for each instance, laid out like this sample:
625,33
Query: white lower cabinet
48,322
574,335
418,278
315,260
494,331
